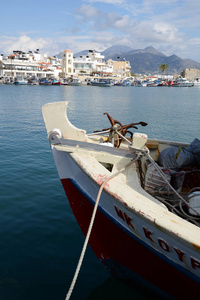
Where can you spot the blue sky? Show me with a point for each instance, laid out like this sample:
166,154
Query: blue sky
170,26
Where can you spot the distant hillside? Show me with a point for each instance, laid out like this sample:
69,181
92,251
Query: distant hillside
84,52
58,55
148,60
117,49
109,51
145,61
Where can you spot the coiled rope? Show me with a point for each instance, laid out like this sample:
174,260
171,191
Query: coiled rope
91,225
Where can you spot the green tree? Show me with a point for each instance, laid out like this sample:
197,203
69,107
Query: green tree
163,67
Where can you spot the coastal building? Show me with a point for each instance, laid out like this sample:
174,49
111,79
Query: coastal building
67,63
89,64
83,65
121,68
92,64
31,64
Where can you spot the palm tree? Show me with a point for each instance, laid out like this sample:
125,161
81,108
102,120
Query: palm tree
163,67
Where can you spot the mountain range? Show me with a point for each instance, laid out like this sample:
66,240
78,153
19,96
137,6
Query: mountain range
147,60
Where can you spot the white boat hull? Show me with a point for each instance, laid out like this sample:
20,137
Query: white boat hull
139,240
134,235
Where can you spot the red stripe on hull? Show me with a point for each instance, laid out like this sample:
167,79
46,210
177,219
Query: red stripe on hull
108,241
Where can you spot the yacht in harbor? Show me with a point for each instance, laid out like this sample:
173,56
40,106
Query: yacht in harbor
183,82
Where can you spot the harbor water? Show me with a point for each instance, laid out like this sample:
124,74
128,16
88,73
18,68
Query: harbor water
40,241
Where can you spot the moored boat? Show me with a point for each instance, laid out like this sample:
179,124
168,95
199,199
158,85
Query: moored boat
182,82
140,83
126,83
196,81
147,224
8,80
33,81
64,81
153,83
45,81
75,82
101,82
20,80
163,83
1,80
56,82
170,83
117,82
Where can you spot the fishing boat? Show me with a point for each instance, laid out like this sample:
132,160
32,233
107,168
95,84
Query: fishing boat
101,82
75,82
20,80
163,83
170,83
56,82
33,81
45,81
8,80
64,81
136,203
126,83
117,82
153,83
140,83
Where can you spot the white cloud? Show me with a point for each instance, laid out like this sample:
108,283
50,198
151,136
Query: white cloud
87,12
195,41
157,23
165,31
171,26
111,18
25,43
123,23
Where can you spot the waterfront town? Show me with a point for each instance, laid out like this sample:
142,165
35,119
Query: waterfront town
34,67
40,65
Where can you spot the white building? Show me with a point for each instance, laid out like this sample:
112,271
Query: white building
83,65
92,63
29,64
67,63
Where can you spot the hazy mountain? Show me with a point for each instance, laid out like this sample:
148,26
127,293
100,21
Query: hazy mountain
152,50
109,51
148,60
118,49
78,54
58,55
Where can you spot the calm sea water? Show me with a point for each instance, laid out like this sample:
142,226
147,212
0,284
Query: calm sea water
40,242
